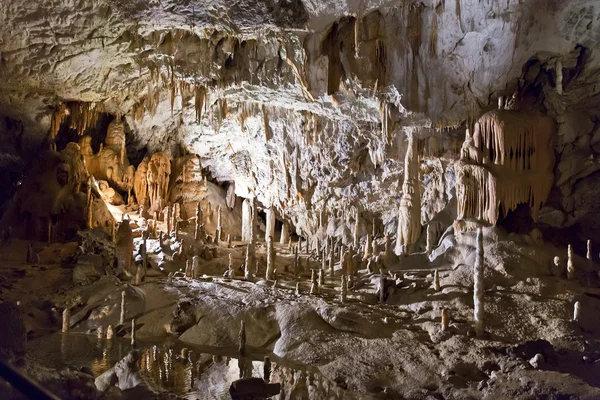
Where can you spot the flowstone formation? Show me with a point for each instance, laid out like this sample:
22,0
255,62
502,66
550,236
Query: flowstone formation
372,199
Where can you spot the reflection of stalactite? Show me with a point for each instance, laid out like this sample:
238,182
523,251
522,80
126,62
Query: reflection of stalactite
509,160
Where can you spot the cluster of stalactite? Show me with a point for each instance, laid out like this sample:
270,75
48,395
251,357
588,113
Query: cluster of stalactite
509,160
82,116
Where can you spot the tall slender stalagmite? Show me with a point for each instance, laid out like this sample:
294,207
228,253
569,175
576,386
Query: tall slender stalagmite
409,212
246,220
478,311
570,264
270,258
270,223
285,233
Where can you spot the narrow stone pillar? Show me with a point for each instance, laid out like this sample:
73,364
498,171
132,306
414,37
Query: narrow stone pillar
436,281
270,223
270,258
196,266
344,289
429,246
296,261
123,310
249,262
368,248
267,369
478,311
169,220
445,320
219,226
381,286
577,312
285,233
199,223
321,277
133,332
323,260
588,255
331,260
110,332
314,286
139,275
242,340
66,319
356,235
570,264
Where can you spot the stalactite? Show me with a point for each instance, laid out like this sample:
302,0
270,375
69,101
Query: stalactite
509,160
266,126
199,96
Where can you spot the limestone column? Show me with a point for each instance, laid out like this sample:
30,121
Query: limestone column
270,223
478,285
409,212
219,227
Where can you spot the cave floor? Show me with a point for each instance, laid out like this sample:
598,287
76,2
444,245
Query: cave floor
325,348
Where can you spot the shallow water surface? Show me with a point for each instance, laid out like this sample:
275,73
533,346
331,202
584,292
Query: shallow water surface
193,373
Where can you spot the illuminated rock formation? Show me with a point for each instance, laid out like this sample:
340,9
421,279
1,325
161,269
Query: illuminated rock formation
409,212
159,171
509,160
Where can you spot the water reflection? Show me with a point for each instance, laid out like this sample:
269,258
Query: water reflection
198,373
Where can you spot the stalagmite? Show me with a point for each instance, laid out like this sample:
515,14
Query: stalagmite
267,369
436,281
199,223
429,239
331,261
445,320
242,339
249,262
270,258
559,77
254,223
228,241
100,332
344,289
314,286
133,332
321,277
285,233
195,267
588,254
387,250
478,311
570,264
298,289
296,261
577,312
409,212
290,245
139,275
270,223
368,248
66,319
169,220
381,286
356,234
218,232
123,309
246,220
110,332
324,260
